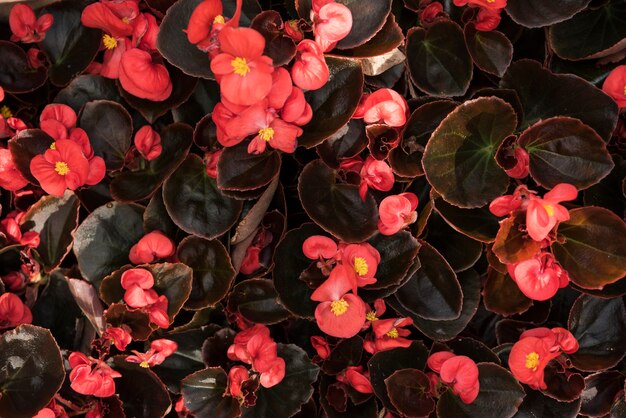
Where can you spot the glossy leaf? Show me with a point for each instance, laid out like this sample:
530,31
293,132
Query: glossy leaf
240,171
16,74
438,59
513,244
386,39
334,104
409,392
26,145
459,159
479,224
538,13
502,295
86,88
536,404
194,202
337,208
544,94
137,185
203,392
491,51
565,150
55,219
594,250
346,353
119,314
397,254
103,240
142,393
599,325
459,250
32,370
110,129
257,301
600,391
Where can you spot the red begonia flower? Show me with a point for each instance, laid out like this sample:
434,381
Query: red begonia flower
236,376
61,113
114,51
87,381
555,339
319,246
251,262
13,312
543,214
45,413
143,78
486,4
488,19
244,73
431,12
148,142
388,333
61,168
331,23
281,89
436,360
157,312
296,110
98,15
145,32
207,21
138,285
357,378
528,360
309,71
522,161
540,277
151,247
25,26
375,174
10,177
385,106
321,346
362,262
461,373
158,352
396,212
615,85
566,341
339,314
119,336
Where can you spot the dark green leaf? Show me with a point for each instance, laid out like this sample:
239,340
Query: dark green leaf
257,301
140,390
600,391
204,391
460,251
397,254
538,13
370,15
346,353
86,88
537,405
138,321
24,146
409,392
16,74
491,51
479,224
512,243
240,171
502,295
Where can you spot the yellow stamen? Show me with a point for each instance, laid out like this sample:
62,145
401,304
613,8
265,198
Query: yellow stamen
624,90
360,266
53,145
393,333
549,209
144,364
5,112
127,20
61,168
371,316
339,307
266,134
219,19
109,41
240,66
532,361
491,1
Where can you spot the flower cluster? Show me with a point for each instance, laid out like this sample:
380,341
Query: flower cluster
25,25
90,376
138,283
488,16
460,373
151,247
540,276
535,349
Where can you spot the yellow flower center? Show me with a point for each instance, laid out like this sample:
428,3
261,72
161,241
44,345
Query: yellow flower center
371,316
109,41
144,364
240,66
5,112
126,20
549,209
61,168
339,307
532,361
219,19
53,145
491,1
393,333
266,134
360,266
625,90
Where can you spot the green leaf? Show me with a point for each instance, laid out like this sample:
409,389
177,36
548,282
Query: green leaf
137,185
501,295
479,224
86,88
459,250
600,391
565,150
16,74
31,371
204,394
194,202
599,325
110,128
371,15
25,146
491,51
438,60
594,251
337,208
240,171
257,301
536,404
103,240
459,159
142,393
397,254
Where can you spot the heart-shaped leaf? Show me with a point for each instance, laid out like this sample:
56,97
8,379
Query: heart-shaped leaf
119,314
386,40
438,59
459,250
599,325
257,301
31,371
204,391
397,254
86,88
16,74
479,224
433,292
287,397
69,45
459,159
103,240
538,13
594,250
409,392
239,170
334,104
194,202
110,129
337,208
565,150
213,273
142,393
55,219
602,28
544,94
502,295
491,51
26,145
536,404
499,397
137,185
600,391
